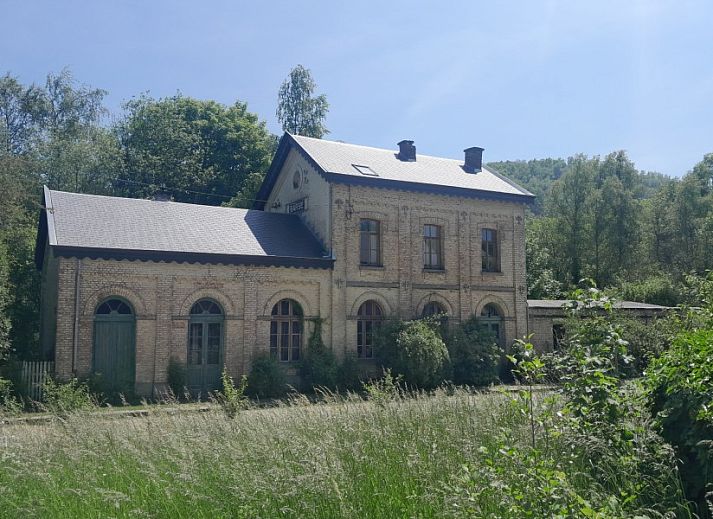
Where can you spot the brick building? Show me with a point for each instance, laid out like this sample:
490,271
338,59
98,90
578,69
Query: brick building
347,233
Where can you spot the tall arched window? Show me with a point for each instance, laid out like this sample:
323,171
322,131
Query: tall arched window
492,320
205,341
114,355
286,330
369,319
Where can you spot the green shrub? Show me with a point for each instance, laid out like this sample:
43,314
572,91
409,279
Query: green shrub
474,354
9,404
62,398
319,367
414,350
177,378
349,375
384,389
266,378
680,394
656,290
231,397
646,340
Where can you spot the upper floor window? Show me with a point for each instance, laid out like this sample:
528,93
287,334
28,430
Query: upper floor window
370,242
432,247
490,254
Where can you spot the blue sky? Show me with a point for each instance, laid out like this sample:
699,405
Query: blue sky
521,79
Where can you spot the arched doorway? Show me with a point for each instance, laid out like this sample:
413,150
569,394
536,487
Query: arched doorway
492,320
114,356
205,346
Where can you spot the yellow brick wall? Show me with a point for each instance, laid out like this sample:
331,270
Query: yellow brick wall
162,293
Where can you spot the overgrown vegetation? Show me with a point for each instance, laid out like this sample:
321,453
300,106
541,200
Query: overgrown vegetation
453,454
413,350
61,398
266,379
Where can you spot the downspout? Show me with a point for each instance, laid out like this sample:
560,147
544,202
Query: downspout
75,331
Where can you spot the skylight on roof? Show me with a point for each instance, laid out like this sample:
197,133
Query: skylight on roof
365,170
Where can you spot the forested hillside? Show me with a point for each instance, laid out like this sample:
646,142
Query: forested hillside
595,217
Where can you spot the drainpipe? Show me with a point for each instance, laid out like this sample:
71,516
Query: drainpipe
75,331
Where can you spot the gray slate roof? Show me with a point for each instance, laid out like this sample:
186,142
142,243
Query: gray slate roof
339,158
625,305
121,224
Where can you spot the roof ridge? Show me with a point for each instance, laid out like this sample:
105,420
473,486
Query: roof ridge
395,152
172,202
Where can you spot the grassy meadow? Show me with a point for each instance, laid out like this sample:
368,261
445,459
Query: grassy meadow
456,454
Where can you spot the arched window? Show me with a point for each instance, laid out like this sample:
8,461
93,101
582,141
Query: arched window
369,319
114,353
491,319
114,307
205,341
286,330
433,308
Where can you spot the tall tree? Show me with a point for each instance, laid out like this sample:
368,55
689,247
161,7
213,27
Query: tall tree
569,206
21,112
297,110
200,151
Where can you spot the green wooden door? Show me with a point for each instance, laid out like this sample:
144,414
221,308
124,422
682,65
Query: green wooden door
115,350
204,355
205,347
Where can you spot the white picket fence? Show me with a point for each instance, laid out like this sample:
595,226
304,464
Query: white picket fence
33,376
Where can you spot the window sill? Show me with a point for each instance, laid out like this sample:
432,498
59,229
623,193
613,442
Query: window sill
434,270
370,267
491,273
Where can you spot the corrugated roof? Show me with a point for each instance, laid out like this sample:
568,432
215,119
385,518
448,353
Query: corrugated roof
112,223
626,305
339,158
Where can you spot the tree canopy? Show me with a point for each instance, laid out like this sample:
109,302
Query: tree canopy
298,110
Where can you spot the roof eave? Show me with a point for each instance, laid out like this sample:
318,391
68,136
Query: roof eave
192,257
400,185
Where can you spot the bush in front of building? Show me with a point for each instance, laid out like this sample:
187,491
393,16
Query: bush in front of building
61,398
266,379
415,351
319,368
177,378
474,354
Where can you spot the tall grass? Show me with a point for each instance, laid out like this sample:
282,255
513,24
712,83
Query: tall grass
411,457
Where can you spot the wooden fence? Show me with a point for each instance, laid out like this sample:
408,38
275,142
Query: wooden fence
33,376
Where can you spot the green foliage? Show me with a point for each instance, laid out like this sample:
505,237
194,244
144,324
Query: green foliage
414,350
319,367
177,377
9,404
474,354
61,398
658,290
680,396
232,398
454,454
349,374
297,110
266,378
647,339
187,146
383,389
593,353
535,175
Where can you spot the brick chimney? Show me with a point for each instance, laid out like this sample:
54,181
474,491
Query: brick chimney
407,151
473,159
